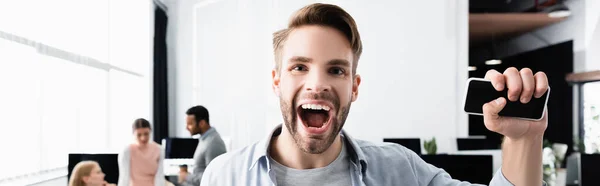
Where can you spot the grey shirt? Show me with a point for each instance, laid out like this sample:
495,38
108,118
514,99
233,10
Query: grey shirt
337,173
210,145
370,164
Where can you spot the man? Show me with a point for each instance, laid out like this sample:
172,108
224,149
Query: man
210,144
315,79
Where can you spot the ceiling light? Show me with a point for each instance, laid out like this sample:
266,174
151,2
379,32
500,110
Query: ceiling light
493,62
559,14
472,68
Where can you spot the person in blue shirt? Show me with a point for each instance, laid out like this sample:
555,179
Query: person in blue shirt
315,78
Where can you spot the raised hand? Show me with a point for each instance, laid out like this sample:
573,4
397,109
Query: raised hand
522,86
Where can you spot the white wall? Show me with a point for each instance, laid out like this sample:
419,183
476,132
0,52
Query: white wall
223,59
592,61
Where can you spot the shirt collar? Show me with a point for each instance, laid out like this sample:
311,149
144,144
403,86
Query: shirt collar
262,148
207,133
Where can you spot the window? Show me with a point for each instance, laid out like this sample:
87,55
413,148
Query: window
591,117
53,106
74,75
20,99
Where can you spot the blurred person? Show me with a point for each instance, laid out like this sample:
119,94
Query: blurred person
210,144
88,173
315,79
141,163
183,169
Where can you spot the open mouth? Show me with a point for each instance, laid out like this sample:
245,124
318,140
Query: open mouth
315,117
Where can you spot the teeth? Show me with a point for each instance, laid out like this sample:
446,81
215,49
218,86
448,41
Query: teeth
315,107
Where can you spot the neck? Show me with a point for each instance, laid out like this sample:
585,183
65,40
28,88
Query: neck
202,131
284,150
142,145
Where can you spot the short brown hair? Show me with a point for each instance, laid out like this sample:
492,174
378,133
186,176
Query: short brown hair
324,15
141,123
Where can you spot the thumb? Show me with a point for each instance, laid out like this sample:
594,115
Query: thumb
490,113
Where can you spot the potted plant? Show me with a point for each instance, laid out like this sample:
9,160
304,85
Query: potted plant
430,146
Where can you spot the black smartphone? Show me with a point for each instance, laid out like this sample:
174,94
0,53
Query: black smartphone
481,91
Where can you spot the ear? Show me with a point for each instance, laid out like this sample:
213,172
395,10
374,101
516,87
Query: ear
276,79
85,179
355,85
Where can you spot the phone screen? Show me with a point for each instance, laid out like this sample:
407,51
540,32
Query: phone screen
480,92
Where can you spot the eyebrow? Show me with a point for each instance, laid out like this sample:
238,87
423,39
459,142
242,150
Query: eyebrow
300,59
333,62
340,62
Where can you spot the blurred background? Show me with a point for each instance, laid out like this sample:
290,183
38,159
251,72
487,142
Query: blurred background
75,74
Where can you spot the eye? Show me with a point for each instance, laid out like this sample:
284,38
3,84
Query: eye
299,68
337,71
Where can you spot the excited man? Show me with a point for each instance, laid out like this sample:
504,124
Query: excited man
315,79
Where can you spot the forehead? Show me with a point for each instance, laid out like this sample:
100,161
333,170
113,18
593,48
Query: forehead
190,117
142,130
319,43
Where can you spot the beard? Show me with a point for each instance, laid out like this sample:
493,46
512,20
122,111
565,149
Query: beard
309,144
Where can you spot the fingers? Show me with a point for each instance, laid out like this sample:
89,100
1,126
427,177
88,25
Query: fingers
496,78
513,83
490,113
541,84
522,85
528,85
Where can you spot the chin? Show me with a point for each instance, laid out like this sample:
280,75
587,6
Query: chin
315,146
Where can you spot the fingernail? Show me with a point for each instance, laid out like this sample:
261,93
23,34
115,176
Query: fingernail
499,86
499,101
524,100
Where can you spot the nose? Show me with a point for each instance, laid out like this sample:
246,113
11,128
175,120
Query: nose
316,81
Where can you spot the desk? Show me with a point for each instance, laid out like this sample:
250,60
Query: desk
171,166
471,168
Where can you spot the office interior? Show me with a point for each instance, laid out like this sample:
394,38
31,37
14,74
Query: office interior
76,74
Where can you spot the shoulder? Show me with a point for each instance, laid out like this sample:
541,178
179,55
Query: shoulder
213,140
386,152
124,155
158,149
237,160
155,145
381,147
126,150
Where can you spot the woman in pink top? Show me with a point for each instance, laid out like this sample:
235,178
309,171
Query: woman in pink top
141,163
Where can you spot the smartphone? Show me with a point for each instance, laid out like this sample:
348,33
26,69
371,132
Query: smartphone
481,91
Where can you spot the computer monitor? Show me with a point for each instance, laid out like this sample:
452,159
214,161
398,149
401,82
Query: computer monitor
472,168
582,169
477,143
108,162
413,144
180,148
589,169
